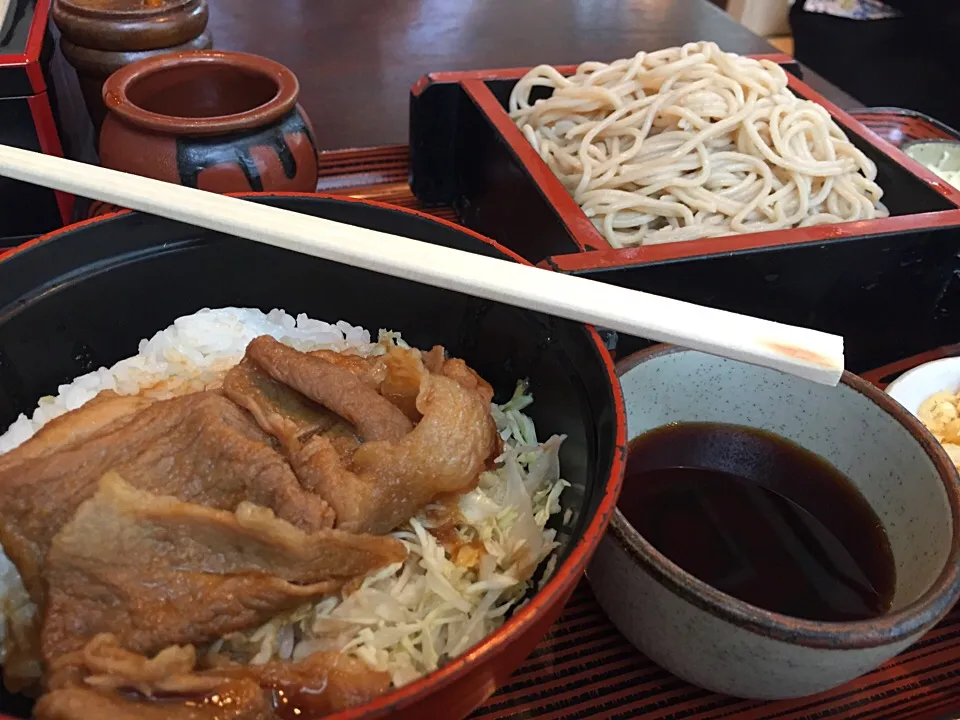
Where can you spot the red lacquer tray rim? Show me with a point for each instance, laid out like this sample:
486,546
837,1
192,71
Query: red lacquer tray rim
596,253
910,118
515,73
883,376
30,57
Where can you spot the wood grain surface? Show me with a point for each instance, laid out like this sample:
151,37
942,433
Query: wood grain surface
356,59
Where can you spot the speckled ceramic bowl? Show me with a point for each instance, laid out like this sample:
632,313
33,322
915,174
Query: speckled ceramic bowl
723,644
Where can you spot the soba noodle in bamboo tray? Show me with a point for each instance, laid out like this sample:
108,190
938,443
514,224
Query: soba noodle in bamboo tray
693,142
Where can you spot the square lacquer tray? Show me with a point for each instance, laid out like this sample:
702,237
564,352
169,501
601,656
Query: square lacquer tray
467,153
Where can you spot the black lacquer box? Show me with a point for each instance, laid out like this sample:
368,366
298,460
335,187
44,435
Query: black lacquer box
29,120
891,286
466,152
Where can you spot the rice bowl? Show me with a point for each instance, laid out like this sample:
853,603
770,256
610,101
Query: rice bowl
59,319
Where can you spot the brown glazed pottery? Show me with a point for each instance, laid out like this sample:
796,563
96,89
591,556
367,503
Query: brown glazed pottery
101,36
218,121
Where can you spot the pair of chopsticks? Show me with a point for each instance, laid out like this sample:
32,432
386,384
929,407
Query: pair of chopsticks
798,351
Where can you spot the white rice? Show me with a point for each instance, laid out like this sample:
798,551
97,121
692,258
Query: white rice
406,619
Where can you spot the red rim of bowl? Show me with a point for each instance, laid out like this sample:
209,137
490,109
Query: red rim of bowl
566,576
920,614
117,100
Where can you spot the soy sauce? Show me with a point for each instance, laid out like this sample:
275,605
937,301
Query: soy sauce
759,518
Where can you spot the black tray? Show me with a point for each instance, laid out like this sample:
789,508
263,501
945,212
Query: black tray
466,152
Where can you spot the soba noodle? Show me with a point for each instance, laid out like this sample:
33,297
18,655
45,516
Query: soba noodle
693,142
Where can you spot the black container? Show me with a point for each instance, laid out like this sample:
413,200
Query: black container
34,101
85,297
466,152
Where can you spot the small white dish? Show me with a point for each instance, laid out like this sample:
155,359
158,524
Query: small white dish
915,386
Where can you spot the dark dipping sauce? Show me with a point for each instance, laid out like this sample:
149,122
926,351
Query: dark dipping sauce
759,518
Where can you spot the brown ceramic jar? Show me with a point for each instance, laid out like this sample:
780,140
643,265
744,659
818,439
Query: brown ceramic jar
214,120
101,36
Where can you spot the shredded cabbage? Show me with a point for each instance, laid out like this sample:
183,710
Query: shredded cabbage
411,617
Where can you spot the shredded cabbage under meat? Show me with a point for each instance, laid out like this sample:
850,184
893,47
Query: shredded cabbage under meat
411,617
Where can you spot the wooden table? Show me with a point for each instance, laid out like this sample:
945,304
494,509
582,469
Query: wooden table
356,59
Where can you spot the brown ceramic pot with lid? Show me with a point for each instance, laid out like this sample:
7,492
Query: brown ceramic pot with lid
102,36
214,120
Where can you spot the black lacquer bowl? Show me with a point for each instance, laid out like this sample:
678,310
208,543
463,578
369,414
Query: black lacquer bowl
83,298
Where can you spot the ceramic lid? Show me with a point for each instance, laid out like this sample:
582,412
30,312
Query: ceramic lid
129,25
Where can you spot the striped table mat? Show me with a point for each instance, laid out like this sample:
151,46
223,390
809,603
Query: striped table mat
584,668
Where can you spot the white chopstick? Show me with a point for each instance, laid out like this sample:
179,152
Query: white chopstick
810,354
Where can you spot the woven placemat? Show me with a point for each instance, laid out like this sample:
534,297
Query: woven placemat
585,668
